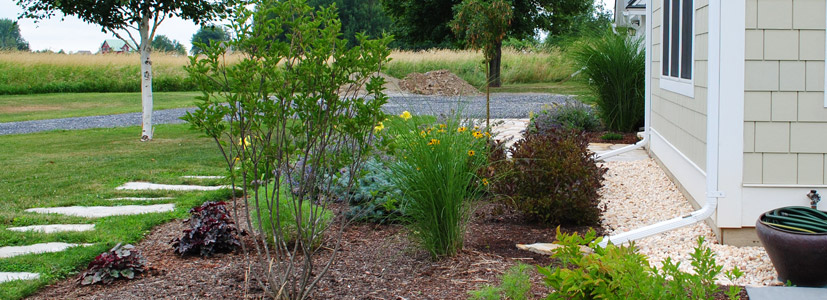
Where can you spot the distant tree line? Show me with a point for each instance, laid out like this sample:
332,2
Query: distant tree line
10,38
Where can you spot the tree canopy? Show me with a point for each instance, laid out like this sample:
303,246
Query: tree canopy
367,16
425,23
10,38
206,35
162,43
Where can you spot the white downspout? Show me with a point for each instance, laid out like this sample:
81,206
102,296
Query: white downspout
712,120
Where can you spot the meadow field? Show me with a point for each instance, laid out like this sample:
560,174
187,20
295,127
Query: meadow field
38,73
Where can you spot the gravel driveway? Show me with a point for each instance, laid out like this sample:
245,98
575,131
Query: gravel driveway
502,106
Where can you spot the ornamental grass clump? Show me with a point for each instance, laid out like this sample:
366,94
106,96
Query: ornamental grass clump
615,67
436,171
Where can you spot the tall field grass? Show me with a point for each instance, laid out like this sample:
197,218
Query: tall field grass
36,73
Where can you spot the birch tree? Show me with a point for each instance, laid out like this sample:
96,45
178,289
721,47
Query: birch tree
133,21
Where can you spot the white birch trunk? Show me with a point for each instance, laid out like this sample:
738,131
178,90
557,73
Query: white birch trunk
146,81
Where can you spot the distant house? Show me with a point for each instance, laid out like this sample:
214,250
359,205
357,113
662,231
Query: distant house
631,14
117,46
84,52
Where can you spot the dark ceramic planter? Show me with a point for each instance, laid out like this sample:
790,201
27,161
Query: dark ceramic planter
800,258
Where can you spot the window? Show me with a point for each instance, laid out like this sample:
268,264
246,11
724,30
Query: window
677,46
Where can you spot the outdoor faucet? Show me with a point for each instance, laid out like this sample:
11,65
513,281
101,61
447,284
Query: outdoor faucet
814,198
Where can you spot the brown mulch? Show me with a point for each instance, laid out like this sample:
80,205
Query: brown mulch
628,138
439,82
374,262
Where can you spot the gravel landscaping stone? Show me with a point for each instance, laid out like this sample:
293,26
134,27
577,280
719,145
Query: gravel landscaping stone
146,186
104,211
638,193
54,228
12,251
11,276
503,105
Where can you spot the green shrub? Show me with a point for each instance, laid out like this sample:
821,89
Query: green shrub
373,198
622,273
281,217
615,67
570,115
611,136
554,179
437,172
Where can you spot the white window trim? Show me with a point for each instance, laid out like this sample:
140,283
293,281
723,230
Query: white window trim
679,85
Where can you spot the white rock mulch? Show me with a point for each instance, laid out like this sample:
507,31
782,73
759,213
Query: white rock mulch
638,193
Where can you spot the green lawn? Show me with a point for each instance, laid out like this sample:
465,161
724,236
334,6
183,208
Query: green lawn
65,105
65,168
575,87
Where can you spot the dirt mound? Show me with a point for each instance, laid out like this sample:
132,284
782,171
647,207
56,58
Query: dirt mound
391,86
439,82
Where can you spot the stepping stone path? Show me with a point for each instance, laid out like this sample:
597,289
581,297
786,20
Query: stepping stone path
12,251
54,228
141,198
104,211
92,212
9,276
146,186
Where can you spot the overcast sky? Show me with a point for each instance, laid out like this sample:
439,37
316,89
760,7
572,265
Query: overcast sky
71,34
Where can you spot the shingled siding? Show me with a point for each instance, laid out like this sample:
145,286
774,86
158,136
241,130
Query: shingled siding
785,122
681,120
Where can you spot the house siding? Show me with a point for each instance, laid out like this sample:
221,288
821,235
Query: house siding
784,115
679,119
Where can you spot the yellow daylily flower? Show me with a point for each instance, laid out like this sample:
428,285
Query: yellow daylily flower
379,127
462,129
433,142
405,115
485,182
471,153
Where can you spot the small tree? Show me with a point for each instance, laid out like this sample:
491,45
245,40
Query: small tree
483,24
10,38
125,19
293,118
164,44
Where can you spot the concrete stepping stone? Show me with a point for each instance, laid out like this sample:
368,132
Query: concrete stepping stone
202,177
786,292
12,251
54,228
141,198
11,276
548,248
104,211
146,186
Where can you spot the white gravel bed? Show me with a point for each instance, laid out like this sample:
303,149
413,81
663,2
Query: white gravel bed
638,193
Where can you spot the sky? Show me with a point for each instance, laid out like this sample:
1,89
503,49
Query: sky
71,34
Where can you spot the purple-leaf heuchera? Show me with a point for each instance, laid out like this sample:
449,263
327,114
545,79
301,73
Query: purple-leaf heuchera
123,261
212,230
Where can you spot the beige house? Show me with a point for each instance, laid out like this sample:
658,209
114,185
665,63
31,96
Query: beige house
736,105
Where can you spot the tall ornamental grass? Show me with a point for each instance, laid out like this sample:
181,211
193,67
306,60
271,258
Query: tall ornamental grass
615,67
436,169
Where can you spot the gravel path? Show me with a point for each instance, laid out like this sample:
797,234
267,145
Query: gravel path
638,193
502,106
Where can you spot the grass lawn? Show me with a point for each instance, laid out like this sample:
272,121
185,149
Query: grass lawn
65,105
577,87
66,168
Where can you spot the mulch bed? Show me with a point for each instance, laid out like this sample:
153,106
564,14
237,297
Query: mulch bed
374,262
628,138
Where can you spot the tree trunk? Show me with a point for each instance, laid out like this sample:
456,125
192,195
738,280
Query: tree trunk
494,67
146,81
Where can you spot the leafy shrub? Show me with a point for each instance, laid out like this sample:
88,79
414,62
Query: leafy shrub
212,230
282,218
374,198
622,273
437,171
571,115
515,286
554,179
123,261
615,67
611,136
